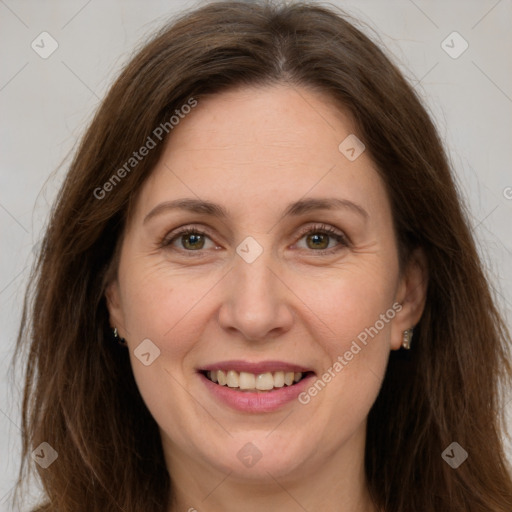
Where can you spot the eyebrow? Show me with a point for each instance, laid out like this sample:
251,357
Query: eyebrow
297,208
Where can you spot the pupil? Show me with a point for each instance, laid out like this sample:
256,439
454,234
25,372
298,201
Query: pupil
190,240
318,237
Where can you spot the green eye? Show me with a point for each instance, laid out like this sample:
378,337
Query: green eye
318,239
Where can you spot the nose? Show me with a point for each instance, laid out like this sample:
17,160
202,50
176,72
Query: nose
256,303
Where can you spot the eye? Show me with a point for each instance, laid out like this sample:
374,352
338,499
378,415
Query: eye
319,238
189,239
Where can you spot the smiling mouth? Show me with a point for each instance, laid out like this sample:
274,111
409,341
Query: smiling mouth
251,382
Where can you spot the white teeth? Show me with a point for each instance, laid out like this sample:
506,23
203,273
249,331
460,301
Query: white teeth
288,378
249,381
264,381
232,379
278,379
221,377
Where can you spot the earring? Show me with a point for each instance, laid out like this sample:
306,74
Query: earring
406,340
119,340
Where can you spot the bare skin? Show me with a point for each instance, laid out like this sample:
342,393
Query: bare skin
303,300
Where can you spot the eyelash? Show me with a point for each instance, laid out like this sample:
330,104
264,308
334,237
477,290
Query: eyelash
316,229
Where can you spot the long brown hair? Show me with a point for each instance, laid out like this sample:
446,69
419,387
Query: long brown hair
80,395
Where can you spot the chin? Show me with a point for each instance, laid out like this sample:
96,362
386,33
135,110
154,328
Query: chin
259,457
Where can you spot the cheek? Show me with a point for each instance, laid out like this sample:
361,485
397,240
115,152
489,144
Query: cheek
157,303
353,315
349,302
159,307
168,308
152,308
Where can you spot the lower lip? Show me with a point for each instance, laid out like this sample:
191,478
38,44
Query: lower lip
248,401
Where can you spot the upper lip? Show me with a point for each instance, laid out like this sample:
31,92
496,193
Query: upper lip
255,367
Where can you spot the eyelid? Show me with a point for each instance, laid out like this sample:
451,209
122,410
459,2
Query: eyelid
173,235
321,227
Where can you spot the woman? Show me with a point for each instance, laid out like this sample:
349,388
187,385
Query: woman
258,289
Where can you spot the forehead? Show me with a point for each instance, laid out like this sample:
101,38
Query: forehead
259,146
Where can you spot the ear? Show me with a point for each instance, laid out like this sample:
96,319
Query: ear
411,294
113,297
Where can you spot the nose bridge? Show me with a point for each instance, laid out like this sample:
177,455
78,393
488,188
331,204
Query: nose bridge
255,304
255,280
252,265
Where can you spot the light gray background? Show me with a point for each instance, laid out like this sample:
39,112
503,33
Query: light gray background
47,103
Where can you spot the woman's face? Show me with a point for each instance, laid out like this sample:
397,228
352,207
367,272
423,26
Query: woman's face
288,271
